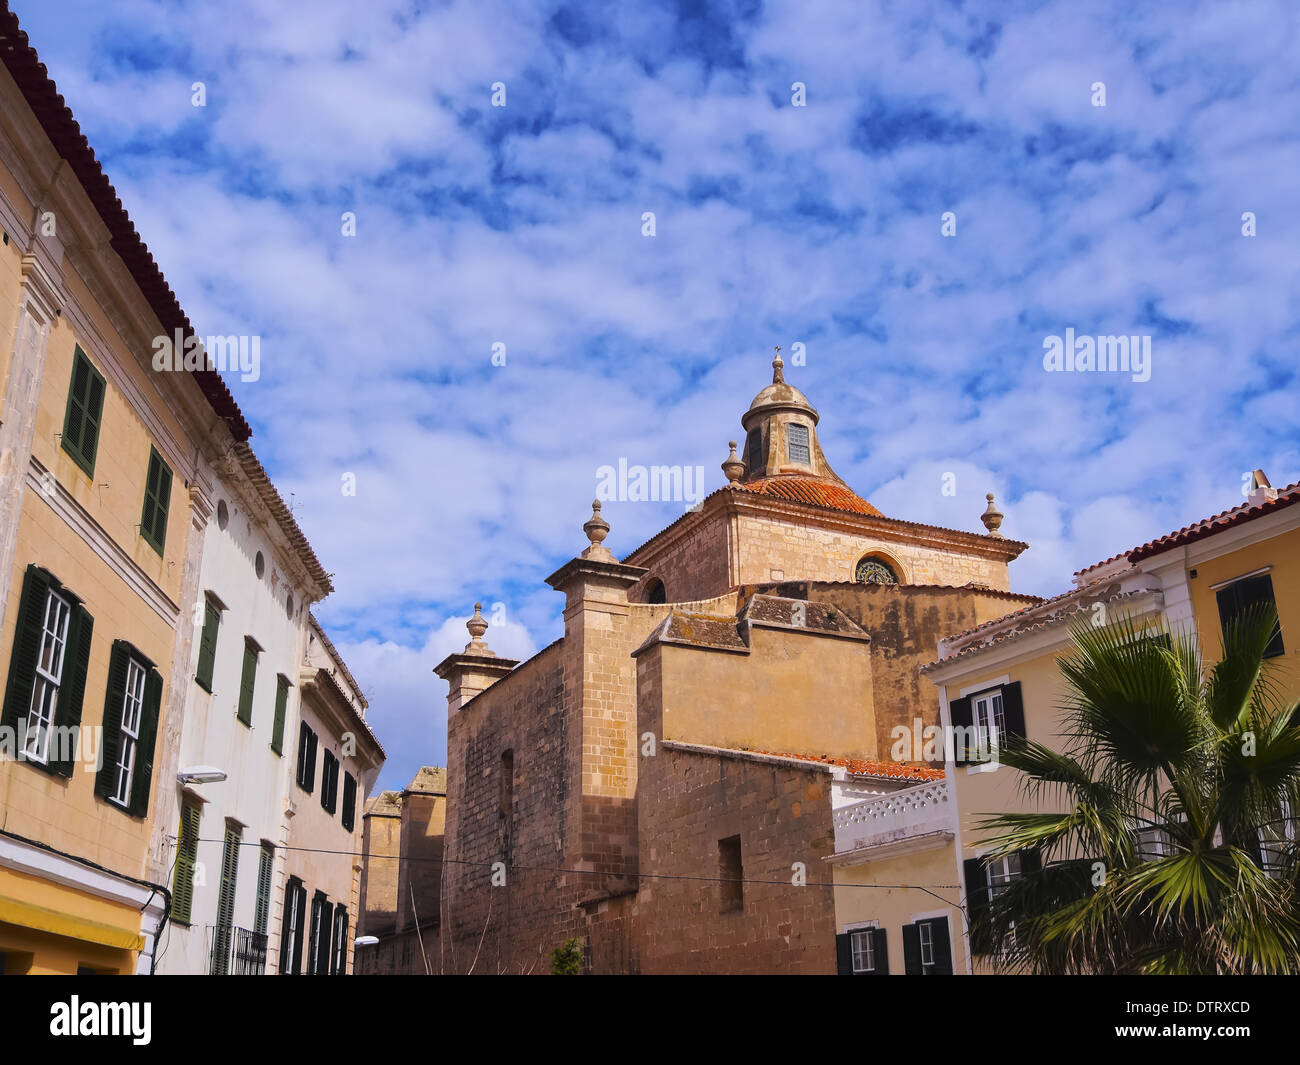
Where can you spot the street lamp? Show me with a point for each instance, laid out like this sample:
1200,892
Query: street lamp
201,774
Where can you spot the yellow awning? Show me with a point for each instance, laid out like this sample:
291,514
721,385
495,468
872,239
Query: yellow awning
12,911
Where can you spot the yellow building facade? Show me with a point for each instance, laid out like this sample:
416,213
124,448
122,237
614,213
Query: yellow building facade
926,840
104,481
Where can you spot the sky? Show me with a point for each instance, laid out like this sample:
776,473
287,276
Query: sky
918,193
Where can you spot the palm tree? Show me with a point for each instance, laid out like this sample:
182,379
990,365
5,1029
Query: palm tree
1174,849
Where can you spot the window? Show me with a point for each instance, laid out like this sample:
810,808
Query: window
306,757
862,952
291,931
47,673
927,948
655,592
131,707
980,719
797,445
247,681
339,954
265,867
129,738
208,646
329,783
187,851
873,570
318,949
754,450
223,515
990,721
222,933
987,879
281,704
349,801
1001,872
1151,843
731,872
157,498
1240,595
85,409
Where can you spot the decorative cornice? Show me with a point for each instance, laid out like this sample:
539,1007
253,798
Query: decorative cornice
61,501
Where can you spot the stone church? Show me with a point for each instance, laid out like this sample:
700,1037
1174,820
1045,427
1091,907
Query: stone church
657,784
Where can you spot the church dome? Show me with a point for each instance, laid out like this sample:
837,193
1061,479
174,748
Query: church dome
780,396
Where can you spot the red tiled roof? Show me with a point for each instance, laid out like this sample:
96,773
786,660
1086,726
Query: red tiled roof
814,490
1217,523
866,766
42,96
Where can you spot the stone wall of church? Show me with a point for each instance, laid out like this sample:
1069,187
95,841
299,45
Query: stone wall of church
747,548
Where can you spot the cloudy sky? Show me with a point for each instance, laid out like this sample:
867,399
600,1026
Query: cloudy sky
821,225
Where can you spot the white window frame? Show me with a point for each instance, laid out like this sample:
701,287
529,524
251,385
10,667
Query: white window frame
50,662
869,934
129,741
990,718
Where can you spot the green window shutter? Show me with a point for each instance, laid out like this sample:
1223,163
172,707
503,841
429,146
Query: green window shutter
157,498
281,703
264,869
329,783
72,686
187,851
349,801
226,901
247,681
85,408
208,647
144,751
27,646
114,696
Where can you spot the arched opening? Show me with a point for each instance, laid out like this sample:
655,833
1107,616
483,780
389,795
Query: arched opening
655,592
872,569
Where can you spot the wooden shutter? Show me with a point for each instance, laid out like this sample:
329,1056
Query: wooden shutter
1031,861
143,778
1013,709
977,889
281,704
27,646
114,698
312,742
246,682
226,901
187,850
264,869
844,955
72,685
291,922
881,943
208,646
329,783
960,714
85,408
349,801
942,947
339,953
157,498
912,950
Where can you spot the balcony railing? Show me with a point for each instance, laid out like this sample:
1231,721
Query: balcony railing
237,951
899,816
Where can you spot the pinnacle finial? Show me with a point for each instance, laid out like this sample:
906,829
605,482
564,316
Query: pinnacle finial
732,466
992,517
477,626
778,368
597,528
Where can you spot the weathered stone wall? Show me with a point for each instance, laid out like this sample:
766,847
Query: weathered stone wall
381,847
409,953
420,877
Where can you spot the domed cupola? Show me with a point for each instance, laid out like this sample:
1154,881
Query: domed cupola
781,432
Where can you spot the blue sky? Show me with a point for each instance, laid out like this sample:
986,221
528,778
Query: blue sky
775,224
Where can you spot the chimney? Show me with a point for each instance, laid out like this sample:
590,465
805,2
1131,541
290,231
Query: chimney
1260,490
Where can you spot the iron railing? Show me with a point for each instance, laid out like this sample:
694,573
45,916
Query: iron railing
237,951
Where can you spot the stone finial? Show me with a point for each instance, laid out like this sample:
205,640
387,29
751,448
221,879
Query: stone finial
477,626
733,467
778,369
597,528
992,517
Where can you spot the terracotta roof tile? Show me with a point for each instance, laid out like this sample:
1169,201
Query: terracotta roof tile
1217,523
814,490
866,766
